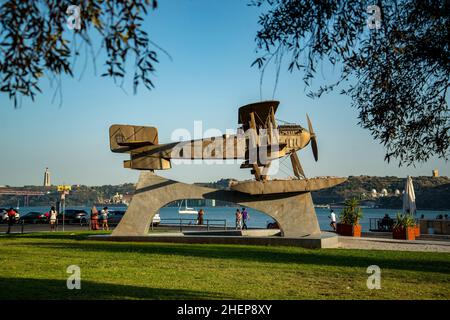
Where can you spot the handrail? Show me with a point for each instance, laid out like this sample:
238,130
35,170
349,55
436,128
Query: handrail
207,222
375,224
191,219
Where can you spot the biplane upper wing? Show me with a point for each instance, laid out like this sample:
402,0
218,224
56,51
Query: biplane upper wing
124,138
258,116
262,112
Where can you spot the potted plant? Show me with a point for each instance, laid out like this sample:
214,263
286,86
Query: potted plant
404,227
417,230
349,219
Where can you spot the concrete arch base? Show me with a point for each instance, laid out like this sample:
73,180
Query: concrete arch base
294,212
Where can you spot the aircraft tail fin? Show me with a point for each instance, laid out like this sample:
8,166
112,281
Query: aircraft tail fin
124,138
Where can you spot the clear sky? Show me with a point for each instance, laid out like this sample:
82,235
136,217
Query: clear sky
212,46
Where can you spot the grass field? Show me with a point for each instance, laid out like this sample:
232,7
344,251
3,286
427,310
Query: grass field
34,267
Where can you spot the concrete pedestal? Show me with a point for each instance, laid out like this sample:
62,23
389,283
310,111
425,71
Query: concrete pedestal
294,212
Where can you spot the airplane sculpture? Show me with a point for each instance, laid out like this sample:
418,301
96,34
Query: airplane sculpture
259,141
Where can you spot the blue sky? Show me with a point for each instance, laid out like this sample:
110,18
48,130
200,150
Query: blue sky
212,46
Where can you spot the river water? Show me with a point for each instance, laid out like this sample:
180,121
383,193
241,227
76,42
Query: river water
257,219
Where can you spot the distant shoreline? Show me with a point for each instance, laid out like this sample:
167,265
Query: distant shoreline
232,206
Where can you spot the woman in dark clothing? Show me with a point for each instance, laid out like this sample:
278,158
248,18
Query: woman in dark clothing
200,217
94,218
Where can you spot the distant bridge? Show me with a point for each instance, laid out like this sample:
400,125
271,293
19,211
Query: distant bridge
21,192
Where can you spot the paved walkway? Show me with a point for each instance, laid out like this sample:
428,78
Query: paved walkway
391,244
380,242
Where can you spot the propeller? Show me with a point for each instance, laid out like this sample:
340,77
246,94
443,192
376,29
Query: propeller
313,140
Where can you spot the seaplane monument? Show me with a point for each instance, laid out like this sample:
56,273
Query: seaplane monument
258,142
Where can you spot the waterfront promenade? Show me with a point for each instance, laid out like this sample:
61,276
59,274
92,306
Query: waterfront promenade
377,243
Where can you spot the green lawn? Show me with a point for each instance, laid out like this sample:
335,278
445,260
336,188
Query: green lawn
34,266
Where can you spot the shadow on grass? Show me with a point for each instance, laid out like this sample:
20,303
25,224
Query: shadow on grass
37,289
411,261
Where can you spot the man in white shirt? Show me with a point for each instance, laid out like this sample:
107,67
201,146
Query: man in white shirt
333,220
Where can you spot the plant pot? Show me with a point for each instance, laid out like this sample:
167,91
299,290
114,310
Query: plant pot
417,231
408,233
349,230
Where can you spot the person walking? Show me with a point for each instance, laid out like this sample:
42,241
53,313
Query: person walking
94,218
332,220
200,217
11,213
105,218
238,220
245,218
53,217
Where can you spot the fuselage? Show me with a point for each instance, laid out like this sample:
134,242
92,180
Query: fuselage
278,143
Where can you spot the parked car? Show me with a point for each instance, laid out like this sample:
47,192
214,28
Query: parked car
115,216
4,215
34,217
156,219
74,216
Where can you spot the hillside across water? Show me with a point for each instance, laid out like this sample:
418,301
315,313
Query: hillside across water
432,193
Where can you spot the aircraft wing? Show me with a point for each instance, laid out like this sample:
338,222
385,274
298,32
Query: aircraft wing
262,112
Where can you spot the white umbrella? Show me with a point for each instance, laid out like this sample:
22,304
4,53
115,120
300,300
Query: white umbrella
409,198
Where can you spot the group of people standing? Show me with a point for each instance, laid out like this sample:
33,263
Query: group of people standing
241,219
102,216
95,216
52,216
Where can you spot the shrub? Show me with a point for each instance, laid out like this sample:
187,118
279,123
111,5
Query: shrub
404,221
351,213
